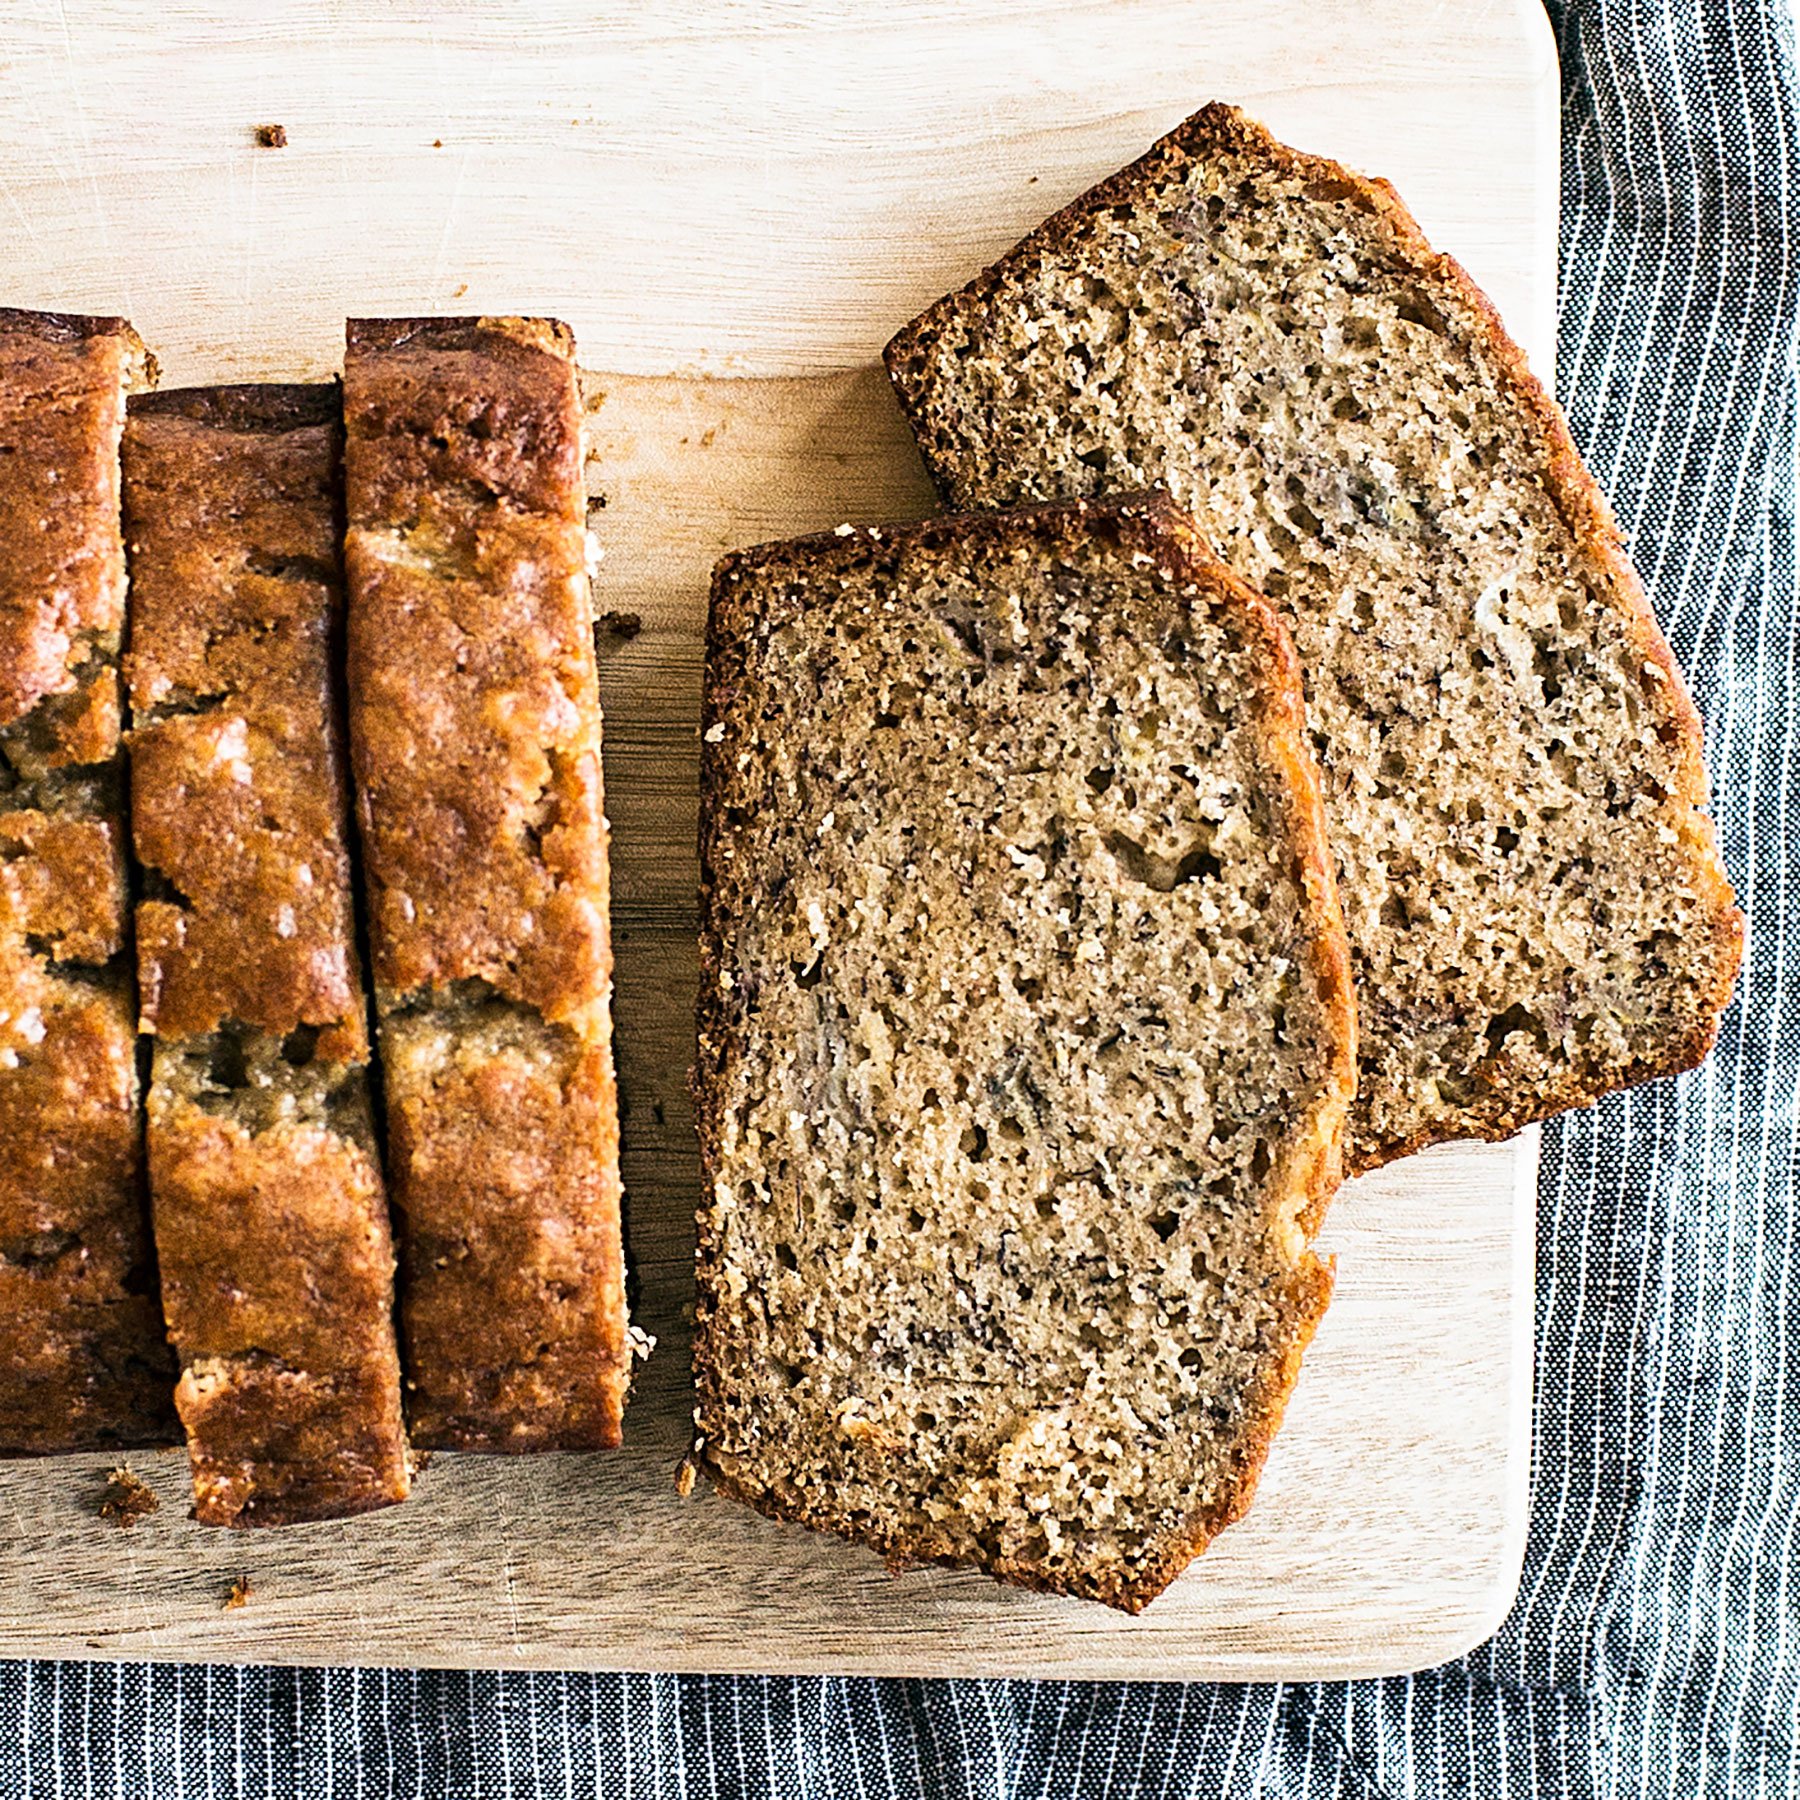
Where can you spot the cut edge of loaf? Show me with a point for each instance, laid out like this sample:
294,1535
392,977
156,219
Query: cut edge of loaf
1219,126
1161,529
254,406
461,331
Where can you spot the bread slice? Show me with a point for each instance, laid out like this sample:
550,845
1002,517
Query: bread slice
475,731
270,1211
1512,768
82,1357
1026,1041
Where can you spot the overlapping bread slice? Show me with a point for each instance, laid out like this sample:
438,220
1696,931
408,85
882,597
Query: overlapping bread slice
1025,1041
1512,770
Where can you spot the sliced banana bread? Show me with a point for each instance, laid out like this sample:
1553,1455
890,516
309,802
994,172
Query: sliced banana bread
1512,769
271,1219
83,1361
1026,1041
475,732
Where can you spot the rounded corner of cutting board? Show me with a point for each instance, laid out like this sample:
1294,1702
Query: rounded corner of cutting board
1465,1629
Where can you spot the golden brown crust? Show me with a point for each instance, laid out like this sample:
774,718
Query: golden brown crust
514,1309
476,734
1220,128
271,1222
82,1358
277,1275
467,552
1302,1192
239,787
65,880
63,383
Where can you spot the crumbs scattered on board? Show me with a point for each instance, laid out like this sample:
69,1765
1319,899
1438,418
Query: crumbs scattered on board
272,137
624,625
240,1593
127,1497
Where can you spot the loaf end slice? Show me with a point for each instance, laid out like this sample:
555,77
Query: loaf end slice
83,1363
1025,1041
1512,767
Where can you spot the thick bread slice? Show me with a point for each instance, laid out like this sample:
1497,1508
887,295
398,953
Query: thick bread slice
1512,768
1026,1041
270,1213
83,1362
475,732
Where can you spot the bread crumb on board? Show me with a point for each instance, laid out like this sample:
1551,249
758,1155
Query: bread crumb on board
127,1497
271,137
238,1594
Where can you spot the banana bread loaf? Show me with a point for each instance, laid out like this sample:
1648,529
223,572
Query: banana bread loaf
1026,1041
83,1362
271,1220
475,734
1512,769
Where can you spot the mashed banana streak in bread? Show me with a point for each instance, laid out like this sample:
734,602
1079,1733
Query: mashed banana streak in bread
1026,1041
1512,770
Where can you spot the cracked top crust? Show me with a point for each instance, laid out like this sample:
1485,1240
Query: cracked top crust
240,802
63,382
471,663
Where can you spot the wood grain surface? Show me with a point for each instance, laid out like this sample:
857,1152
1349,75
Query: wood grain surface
739,202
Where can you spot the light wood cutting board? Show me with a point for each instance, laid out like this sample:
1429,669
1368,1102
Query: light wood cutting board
737,203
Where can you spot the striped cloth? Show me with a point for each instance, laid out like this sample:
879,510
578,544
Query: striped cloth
1655,1648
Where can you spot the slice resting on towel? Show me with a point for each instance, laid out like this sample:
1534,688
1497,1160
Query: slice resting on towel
1512,769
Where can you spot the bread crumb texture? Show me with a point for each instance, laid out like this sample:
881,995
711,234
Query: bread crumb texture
1512,770
1025,1042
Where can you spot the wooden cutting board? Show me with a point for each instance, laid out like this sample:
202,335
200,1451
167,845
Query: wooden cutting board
737,203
